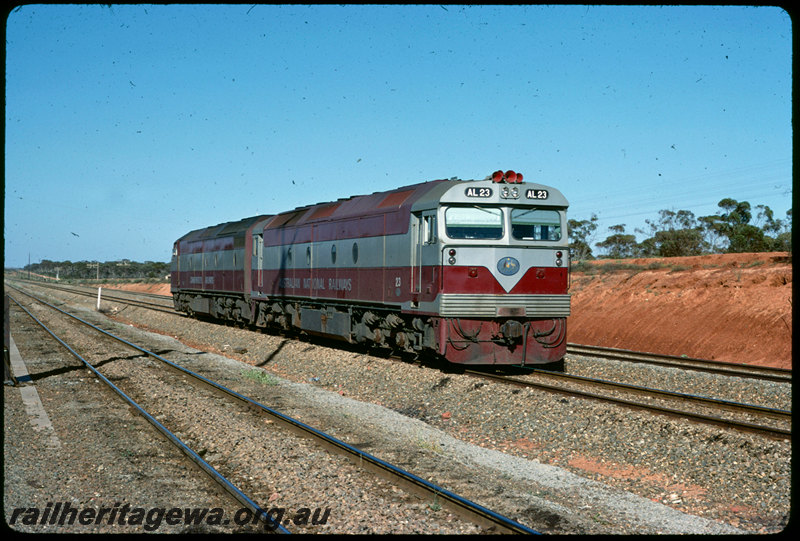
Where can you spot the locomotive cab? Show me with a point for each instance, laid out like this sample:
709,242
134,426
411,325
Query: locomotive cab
500,253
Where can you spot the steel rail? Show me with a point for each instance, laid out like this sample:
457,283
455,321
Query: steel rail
688,363
730,369
133,302
67,287
740,407
464,507
667,361
232,489
699,417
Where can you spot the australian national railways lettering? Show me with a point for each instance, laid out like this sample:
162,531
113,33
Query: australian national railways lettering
317,284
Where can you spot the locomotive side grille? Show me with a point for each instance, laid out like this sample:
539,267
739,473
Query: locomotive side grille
464,305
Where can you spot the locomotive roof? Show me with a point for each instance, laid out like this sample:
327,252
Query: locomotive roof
409,198
225,229
403,200
354,206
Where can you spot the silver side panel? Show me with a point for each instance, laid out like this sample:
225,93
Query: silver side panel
466,305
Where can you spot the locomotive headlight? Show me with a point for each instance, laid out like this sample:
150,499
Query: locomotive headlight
452,260
559,262
509,192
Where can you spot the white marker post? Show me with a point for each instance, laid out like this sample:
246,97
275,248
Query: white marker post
99,289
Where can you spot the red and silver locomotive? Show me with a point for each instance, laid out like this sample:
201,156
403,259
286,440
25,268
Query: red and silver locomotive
474,271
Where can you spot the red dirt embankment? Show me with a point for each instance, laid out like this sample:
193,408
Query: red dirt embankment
728,307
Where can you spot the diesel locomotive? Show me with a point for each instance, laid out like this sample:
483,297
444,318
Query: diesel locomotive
475,271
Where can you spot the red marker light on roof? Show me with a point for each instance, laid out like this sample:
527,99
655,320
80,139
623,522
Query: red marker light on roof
509,176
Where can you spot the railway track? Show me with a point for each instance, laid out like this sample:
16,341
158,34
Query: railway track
686,363
464,508
771,422
165,306
190,453
764,373
693,407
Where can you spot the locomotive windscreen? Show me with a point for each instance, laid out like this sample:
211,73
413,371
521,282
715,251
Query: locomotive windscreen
474,223
536,224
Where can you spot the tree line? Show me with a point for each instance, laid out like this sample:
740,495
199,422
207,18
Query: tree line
672,234
734,229
110,270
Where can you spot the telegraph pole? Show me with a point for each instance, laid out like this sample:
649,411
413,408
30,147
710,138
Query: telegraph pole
96,264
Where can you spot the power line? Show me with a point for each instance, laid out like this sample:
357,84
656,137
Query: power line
647,198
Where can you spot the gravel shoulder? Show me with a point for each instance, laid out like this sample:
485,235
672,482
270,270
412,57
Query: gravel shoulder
557,465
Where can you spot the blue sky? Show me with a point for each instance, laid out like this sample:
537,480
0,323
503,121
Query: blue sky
128,126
